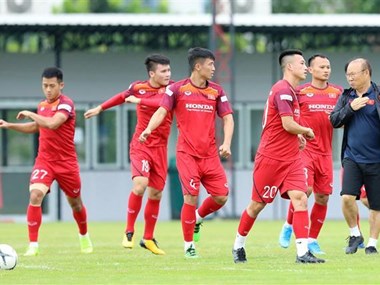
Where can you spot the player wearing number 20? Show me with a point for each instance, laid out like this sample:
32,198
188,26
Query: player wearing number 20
278,166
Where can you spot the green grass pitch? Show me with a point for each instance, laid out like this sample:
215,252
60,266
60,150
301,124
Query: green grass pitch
60,260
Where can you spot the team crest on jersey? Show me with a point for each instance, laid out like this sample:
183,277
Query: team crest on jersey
187,93
309,94
332,95
142,92
371,102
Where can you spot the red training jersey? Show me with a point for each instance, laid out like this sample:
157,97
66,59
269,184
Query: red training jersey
276,142
195,109
57,144
316,105
150,102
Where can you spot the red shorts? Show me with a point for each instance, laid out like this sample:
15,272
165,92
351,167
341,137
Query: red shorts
209,171
66,173
271,176
319,172
150,162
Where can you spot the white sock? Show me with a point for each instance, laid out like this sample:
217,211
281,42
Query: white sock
189,244
198,219
355,231
83,236
372,242
239,241
310,240
301,245
33,244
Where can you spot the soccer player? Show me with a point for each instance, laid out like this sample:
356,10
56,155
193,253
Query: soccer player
56,158
148,161
358,110
196,101
278,165
316,99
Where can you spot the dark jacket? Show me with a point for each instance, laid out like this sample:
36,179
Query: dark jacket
342,113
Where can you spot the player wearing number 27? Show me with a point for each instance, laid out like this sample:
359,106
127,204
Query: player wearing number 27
278,166
56,158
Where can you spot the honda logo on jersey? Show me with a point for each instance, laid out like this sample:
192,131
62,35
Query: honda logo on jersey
199,107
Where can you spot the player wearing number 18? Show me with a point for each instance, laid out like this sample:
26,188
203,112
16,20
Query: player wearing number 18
148,161
278,166
56,158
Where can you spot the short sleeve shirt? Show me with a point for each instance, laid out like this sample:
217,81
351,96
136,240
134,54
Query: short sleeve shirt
275,141
57,144
316,105
195,110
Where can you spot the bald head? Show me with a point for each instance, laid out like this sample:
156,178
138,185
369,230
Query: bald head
362,63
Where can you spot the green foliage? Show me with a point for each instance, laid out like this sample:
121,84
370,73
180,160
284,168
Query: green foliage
326,6
110,6
60,261
75,6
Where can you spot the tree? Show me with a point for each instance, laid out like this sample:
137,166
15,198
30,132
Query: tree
326,6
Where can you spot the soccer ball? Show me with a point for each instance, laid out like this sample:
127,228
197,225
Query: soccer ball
8,257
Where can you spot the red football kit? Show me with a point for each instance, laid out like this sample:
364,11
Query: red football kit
150,158
278,166
57,158
316,105
197,154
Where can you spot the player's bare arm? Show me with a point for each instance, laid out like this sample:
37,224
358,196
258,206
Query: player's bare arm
132,99
293,127
93,112
228,128
154,122
52,123
27,128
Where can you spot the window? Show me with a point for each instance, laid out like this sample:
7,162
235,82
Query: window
337,146
18,149
255,114
130,122
107,140
81,137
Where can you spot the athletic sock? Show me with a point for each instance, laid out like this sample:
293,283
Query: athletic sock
317,218
34,219
81,219
134,206
301,224
245,224
208,206
188,221
289,218
372,242
355,231
152,209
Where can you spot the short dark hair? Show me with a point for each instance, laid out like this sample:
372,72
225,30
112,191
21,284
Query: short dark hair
51,72
153,60
197,54
311,59
365,65
288,52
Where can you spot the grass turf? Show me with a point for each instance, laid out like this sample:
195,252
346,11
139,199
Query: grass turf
60,260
